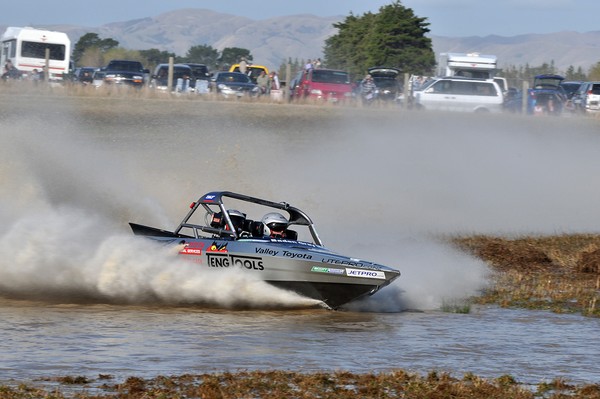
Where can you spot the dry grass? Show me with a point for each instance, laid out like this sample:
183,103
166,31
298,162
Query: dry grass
285,384
560,273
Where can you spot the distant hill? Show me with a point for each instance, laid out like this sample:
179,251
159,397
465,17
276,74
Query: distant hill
271,41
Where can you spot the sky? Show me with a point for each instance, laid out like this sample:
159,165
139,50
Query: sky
453,18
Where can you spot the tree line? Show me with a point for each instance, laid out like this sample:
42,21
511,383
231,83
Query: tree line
91,50
392,37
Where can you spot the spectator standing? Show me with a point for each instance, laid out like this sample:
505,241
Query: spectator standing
309,65
368,90
318,63
275,85
263,83
10,71
243,66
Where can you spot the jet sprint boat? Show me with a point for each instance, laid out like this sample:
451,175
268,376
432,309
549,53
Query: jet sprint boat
284,251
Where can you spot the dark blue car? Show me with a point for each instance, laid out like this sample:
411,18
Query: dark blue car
546,96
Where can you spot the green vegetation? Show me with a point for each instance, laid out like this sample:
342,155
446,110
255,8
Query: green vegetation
394,37
90,50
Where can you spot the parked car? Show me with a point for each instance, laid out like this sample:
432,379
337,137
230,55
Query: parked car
160,77
570,87
322,84
200,71
386,80
98,78
125,72
84,75
233,84
455,93
502,83
253,71
546,95
587,98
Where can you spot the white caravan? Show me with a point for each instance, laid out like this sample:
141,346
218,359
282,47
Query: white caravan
471,65
26,48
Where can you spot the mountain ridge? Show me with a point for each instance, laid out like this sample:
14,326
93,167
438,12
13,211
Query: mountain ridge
274,40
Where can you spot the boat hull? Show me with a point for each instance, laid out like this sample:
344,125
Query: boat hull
307,269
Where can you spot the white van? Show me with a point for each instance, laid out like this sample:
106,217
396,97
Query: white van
460,94
26,49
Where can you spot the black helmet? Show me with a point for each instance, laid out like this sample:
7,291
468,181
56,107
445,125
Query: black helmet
237,218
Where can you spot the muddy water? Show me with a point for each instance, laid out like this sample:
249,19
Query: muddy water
381,184
41,340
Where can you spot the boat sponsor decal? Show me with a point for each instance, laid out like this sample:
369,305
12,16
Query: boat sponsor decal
365,273
321,269
216,247
295,255
341,262
193,248
224,259
266,251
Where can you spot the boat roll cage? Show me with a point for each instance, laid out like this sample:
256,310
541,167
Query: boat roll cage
213,199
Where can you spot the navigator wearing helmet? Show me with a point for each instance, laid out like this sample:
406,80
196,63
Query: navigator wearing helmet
275,225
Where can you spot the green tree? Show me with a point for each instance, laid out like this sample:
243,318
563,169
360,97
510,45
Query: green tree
91,41
203,54
594,73
233,55
155,56
393,37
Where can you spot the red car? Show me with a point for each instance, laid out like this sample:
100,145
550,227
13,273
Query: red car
321,84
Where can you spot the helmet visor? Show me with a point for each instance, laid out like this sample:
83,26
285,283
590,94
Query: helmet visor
279,227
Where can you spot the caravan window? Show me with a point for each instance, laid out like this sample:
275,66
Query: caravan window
9,49
38,50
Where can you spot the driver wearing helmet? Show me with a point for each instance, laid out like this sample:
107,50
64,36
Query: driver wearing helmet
237,219
275,225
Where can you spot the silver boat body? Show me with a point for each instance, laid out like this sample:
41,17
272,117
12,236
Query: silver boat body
303,266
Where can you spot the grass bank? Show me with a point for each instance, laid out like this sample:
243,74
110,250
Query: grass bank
558,273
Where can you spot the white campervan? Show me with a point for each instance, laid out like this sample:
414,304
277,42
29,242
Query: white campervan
26,48
460,94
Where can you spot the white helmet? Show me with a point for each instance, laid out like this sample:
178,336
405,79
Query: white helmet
275,223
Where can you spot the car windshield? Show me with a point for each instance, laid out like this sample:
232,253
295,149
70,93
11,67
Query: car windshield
385,82
543,82
125,66
233,78
180,72
199,71
325,76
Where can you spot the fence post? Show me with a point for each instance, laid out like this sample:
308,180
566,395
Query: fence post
47,65
524,97
170,75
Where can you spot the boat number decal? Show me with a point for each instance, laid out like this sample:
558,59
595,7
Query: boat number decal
365,273
193,248
320,269
219,259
